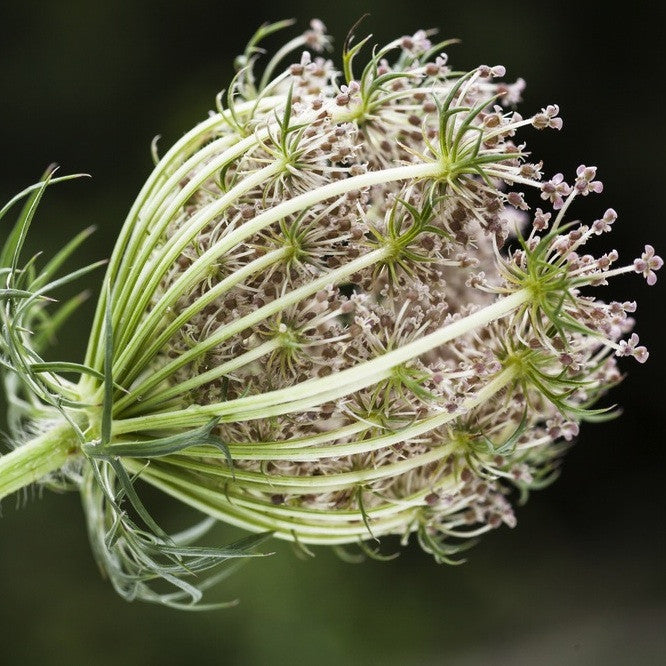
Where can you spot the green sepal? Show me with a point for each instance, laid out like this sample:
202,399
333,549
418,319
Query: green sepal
507,447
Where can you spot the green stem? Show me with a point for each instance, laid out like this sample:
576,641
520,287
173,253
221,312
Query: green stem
36,458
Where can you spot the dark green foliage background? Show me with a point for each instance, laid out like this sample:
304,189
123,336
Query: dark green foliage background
580,580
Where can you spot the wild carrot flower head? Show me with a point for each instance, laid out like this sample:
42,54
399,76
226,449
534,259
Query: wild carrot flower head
333,315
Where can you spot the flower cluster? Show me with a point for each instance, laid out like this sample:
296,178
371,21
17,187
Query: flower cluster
332,314
324,244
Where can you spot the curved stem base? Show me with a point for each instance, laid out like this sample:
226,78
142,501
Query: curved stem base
36,458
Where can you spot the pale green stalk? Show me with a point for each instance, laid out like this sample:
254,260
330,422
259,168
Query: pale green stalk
228,331
151,347
286,444
317,526
212,374
37,458
263,451
244,514
143,230
136,226
151,275
198,269
318,391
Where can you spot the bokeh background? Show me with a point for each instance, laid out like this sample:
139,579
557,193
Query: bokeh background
581,579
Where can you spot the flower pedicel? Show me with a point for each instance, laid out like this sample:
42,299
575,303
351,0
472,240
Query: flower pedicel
331,315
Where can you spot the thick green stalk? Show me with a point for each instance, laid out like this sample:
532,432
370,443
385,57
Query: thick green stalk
36,458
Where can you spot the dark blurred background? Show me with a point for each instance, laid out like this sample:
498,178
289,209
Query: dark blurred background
581,579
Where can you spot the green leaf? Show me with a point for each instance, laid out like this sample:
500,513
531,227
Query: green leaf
14,243
107,407
241,548
436,49
509,445
264,31
134,558
8,294
290,47
23,193
70,277
64,366
127,485
52,324
56,262
164,446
